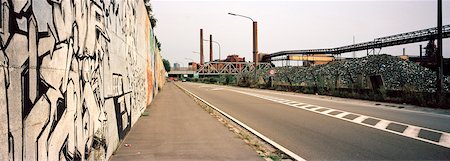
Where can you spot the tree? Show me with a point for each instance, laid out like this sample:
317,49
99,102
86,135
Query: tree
166,65
153,21
158,44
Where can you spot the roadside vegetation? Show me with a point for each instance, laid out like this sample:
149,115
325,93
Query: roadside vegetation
378,78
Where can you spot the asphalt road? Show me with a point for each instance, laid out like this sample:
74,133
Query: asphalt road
321,135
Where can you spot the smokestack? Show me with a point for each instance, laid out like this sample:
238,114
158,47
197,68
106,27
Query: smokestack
210,49
202,60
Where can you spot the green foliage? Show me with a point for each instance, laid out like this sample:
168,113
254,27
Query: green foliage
153,21
158,44
226,79
166,65
212,80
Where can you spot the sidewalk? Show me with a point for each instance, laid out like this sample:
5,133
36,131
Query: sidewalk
178,129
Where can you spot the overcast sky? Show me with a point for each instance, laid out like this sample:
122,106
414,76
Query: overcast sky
289,25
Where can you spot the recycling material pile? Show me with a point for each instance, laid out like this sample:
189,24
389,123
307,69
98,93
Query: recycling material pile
396,74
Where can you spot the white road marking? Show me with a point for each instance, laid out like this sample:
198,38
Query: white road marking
445,139
313,108
360,119
304,106
273,143
382,124
411,131
341,114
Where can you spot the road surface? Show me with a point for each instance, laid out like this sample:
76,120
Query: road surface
324,129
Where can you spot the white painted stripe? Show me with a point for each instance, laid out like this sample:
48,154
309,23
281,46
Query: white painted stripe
313,108
341,114
382,124
273,143
445,139
411,131
326,111
304,106
360,119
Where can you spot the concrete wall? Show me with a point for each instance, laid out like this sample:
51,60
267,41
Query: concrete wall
75,75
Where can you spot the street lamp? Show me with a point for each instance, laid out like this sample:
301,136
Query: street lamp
255,41
218,44
255,37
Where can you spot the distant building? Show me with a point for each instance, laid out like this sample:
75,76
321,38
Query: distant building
234,58
176,66
193,65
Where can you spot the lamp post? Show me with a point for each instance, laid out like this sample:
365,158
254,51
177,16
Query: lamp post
255,40
440,66
218,44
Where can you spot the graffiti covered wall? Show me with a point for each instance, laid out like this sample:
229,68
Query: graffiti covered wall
75,75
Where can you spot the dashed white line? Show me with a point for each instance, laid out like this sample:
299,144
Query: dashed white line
445,139
341,114
411,131
382,124
360,119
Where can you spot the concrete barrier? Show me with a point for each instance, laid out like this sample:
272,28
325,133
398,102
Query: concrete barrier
74,76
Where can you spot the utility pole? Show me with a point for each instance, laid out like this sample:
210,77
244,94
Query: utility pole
440,64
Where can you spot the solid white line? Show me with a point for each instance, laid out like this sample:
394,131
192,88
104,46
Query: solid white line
381,125
273,143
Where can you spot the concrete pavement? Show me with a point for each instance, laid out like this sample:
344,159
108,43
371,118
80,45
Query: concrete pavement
178,129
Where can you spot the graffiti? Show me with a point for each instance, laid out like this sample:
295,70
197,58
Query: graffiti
73,77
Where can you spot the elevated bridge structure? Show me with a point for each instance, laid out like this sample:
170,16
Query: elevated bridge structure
221,68
378,43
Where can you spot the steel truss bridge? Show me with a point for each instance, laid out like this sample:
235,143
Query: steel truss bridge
378,43
230,68
221,68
